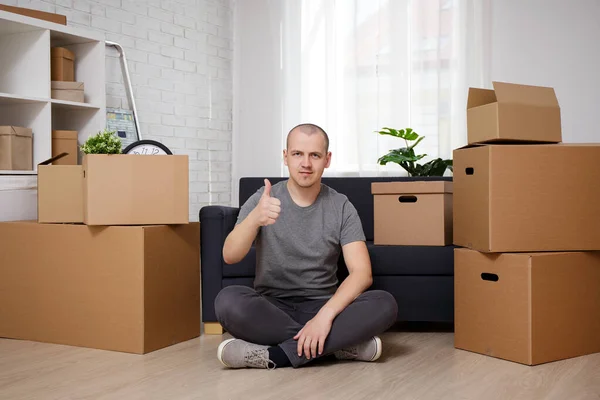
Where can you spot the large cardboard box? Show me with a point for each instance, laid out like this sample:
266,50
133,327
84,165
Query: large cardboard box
65,142
16,148
412,213
510,198
513,112
115,189
125,189
46,16
130,289
530,308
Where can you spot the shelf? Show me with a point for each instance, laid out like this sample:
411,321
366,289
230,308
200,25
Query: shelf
10,172
16,23
72,105
25,91
8,99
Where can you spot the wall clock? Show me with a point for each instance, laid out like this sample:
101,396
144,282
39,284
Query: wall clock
147,147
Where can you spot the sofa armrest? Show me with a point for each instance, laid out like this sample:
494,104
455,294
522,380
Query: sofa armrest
215,224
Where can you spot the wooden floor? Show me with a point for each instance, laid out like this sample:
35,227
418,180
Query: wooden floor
414,365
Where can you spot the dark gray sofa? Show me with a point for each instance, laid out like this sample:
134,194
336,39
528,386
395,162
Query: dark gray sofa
421,278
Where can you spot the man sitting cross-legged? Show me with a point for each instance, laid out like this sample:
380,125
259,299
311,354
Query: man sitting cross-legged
296,312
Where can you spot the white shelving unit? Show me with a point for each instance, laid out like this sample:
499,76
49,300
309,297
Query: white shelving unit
25,100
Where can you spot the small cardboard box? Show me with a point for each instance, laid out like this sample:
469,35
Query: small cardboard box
511,198
529,308
62,67
60,192
46,16
121,288
16,148
69,91
117,189
513,112
65,142
415,213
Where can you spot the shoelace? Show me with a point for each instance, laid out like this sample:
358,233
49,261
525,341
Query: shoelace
349,353
257,358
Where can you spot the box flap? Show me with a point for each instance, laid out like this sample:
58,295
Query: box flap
58,134
525,94
15,131
479,97
51,160
413,187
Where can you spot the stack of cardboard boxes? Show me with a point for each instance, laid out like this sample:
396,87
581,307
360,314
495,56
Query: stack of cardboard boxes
527,282
112,262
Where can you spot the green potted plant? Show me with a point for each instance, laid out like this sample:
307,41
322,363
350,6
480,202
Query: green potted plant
406,157
104,142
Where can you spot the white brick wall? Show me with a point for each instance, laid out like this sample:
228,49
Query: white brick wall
179,54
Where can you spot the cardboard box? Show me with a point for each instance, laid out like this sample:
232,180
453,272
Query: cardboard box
135,190
412,213
16,148
46,16
60,192
130,289
62,67
513,112
117,189
69,91
510,198
65,142
530,308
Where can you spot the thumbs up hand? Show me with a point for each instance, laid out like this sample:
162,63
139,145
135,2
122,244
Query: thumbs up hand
268,207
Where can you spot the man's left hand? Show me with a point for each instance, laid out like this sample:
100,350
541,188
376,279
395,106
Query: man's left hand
312,336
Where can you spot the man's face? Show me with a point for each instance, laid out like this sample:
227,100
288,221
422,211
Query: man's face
306,158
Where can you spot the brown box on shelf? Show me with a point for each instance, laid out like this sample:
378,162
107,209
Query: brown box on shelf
513,112
529,308
16,148
60,192
415,213
70,91
132,289
46,16
535,197
62,65
65,142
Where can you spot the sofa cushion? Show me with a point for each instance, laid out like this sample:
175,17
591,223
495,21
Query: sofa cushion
419,298
385,260
357,189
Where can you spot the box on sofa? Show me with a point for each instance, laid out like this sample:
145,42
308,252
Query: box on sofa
412,213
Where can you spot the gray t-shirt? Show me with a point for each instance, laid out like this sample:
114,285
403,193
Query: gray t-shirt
297,256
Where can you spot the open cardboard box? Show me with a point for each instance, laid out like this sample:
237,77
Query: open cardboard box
412,213
534,197
513,112
118,189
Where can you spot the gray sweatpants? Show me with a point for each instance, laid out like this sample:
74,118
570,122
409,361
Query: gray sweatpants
264,320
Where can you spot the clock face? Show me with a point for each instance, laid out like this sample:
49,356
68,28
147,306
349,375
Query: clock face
147,147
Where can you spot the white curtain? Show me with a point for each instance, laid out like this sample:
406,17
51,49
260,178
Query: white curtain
356,66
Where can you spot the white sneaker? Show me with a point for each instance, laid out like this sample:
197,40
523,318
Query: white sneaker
236,353
366,351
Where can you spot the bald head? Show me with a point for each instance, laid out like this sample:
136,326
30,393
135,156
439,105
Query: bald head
309,129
